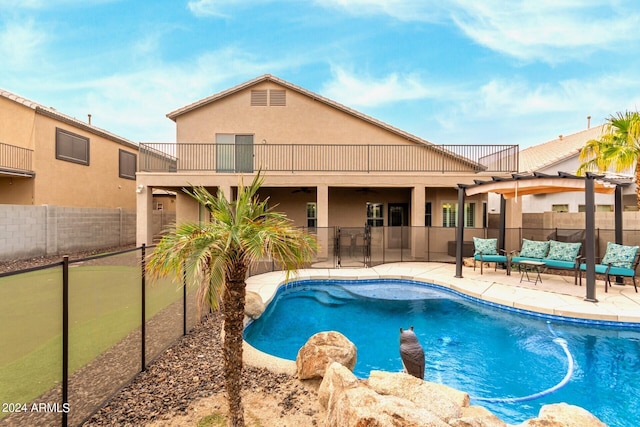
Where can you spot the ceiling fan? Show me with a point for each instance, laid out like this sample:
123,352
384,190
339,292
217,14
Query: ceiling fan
302,190
366,190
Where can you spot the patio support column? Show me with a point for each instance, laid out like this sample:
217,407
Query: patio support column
322,212
503,222
144,215
418,237
322,196
618,208
618,222
589,250
460,230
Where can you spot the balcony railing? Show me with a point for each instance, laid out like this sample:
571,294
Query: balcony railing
189,157
15,160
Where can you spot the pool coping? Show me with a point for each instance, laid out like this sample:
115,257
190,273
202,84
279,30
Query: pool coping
619,307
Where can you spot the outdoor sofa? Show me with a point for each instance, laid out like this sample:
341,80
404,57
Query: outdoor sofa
554,254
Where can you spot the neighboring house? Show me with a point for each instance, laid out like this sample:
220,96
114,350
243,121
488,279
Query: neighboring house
562,155
49,158
65,185
325,165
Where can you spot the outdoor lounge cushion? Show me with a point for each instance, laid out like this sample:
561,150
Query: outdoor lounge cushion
561,251
619,255
485,246
534,249
615,271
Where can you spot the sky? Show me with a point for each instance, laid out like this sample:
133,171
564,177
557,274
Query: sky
448,71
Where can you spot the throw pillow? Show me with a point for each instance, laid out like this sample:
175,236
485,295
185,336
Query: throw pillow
562,251
534,248
486,246
619,255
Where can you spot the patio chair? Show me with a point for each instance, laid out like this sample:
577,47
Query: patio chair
486,250
618,261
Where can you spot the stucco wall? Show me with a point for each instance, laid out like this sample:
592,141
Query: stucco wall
31,231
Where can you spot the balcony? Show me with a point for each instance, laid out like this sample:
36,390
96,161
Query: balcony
247,158
15,161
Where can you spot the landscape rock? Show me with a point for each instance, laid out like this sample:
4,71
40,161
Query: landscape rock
321,350
564,415
438,398
362,406
337,379
253,305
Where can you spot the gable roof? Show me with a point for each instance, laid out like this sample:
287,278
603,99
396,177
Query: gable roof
270,78
548,153
54,114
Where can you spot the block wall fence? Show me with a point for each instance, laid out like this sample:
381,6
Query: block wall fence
34,231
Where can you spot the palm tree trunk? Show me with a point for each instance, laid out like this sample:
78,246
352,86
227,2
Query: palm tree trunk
233,308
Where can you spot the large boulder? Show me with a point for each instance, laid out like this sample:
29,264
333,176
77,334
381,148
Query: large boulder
336,380
321,350
399,399
445,401
253,305
361,406
563,415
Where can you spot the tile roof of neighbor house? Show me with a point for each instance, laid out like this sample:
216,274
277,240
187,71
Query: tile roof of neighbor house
546,154
268,77
53,113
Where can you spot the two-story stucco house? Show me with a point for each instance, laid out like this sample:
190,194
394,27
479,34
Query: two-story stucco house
326,166
65,185
49,158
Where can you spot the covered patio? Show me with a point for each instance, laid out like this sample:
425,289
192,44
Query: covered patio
539,183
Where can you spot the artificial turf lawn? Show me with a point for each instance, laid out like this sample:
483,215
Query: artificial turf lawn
104,307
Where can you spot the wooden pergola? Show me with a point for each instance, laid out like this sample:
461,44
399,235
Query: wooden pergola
539,183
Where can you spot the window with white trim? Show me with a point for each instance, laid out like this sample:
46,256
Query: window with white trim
450,214
312,214
375,214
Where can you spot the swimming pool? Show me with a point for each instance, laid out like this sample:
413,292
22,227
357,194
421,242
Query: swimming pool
509,362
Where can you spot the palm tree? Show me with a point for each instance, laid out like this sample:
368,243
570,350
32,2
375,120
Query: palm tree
618,147
218,254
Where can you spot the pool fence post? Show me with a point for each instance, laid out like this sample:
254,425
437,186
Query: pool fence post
65,339
460,230
143,309
184,300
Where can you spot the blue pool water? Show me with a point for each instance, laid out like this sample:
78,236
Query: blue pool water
509,362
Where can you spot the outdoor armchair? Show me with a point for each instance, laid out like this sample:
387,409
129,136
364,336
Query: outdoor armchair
618,261
486,250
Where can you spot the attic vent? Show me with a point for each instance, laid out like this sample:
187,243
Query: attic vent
277,98
259,98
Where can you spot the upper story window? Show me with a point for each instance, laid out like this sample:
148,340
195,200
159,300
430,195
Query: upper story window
128,163
72,147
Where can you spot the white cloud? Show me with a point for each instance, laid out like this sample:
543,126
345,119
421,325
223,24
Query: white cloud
550,31
368,91
20,43
221,8
134,105
553,31
423,10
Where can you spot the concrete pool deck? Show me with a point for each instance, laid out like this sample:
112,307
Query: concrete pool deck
555,295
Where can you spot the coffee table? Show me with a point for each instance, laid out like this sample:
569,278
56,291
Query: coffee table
524,267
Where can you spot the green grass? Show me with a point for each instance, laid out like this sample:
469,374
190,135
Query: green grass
104,307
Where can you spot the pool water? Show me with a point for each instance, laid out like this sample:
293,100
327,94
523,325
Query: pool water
509,362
